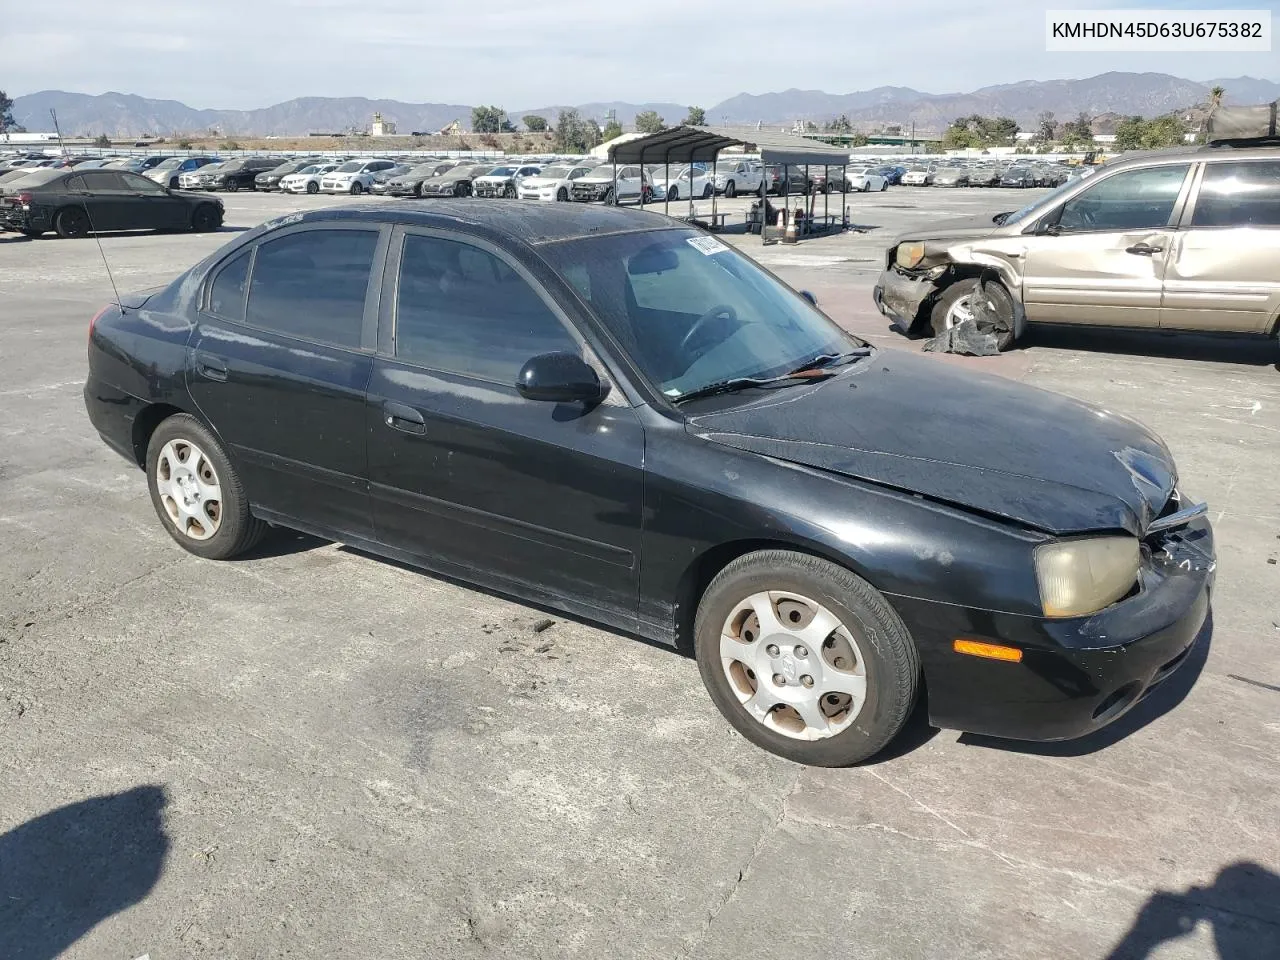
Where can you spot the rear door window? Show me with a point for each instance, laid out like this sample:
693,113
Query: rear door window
313,284
1241,194
226,293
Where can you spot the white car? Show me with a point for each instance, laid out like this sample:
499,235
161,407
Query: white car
738,176
553,183
684,183
918,177
503,181
354,177
307,180
602,183
865,179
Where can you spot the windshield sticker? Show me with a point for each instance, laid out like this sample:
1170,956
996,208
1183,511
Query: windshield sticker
706,245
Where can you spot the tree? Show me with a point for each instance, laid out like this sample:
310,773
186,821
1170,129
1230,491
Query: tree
959,137
534,123
1129,133
612,130
1215,97
696,117
574,134
102,140
6,114
1046,129
858,140
490,120
840,124
1167,131
648,121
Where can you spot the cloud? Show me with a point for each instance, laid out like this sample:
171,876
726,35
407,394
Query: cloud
521,55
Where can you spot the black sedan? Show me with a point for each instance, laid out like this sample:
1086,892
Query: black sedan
237,174
617,415
75,203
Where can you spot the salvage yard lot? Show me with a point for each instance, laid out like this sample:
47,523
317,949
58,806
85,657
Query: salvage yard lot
312,752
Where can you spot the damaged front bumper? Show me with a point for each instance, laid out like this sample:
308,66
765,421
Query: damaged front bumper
899,296
1076,675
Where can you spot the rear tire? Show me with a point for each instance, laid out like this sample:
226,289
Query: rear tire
71,223
868,642
231,529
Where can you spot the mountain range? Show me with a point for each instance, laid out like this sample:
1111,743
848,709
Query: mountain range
1147,94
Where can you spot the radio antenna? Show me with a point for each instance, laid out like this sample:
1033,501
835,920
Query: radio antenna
85,203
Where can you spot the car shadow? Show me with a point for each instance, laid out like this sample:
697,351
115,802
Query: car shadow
1253,351
64,872
1162,699
1241,907
280,542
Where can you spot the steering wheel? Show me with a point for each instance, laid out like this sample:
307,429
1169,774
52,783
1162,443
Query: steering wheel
716,312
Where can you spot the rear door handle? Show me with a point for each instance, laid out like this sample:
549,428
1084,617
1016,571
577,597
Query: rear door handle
400,416
1143,249
211,367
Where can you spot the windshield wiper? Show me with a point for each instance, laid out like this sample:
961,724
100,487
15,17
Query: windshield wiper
823,360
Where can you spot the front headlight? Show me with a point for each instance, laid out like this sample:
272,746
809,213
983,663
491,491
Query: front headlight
909,255
1078,577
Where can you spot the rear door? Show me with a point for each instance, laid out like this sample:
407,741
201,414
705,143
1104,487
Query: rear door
1224,268
279,365
104,195
1100,257
152,206
543,497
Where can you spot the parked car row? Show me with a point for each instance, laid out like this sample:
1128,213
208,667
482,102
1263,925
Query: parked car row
961,173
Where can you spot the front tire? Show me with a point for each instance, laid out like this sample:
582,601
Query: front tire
953,306
71,223
313,187
730,190
197,493
673,194
357,188
707,192
232,187
884,186
562,195
805,659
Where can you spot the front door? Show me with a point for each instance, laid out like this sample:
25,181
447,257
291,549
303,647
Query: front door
279,365
153,207
540,498
1224,269
1100,258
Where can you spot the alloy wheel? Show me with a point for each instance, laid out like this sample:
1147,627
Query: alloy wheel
189,489
793,665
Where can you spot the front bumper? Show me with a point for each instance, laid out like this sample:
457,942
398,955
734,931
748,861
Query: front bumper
1077,675
899,296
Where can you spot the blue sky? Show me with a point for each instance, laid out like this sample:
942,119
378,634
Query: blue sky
521,53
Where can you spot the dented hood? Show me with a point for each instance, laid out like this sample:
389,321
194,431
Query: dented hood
978,441
957,228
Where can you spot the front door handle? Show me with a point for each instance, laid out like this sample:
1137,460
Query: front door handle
1143,249
211,367
406,419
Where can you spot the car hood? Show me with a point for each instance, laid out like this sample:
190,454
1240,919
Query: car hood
959,228
977,441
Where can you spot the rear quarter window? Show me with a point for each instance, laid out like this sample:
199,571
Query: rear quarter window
1239,194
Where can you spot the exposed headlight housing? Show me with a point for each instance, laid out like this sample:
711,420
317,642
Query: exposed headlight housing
909,255
1082,576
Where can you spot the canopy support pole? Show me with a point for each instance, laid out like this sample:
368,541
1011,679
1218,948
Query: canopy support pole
715,159
826,197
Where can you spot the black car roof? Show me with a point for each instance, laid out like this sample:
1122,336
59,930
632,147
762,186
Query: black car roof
530,221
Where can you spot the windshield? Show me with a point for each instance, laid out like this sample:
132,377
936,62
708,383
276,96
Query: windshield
314,168
727,166
169,164
351,166
229,166
555,173
692,311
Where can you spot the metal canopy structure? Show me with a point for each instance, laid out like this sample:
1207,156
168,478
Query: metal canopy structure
688,145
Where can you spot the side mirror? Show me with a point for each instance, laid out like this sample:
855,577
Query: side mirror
559,378
808,295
